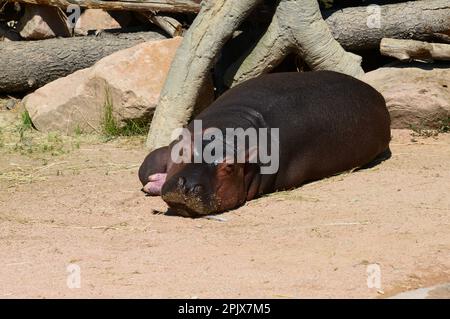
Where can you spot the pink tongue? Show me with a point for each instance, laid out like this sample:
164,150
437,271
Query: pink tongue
153,187
157,177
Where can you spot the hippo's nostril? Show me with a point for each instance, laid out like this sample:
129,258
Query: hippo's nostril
181,185
181,181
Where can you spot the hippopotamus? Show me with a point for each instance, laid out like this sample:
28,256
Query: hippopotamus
326,123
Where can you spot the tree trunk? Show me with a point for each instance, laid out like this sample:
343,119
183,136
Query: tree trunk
362,28
190,68
170,25
28,65
405,50
296,26
131,5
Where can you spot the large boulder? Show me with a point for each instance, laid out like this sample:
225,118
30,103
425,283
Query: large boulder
417,95
129,81
98,19
43,22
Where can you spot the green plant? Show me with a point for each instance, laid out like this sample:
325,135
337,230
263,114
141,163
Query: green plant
421,130
22,128
2,139
78,130
445,125
109,122
26,120
111,127
25,124
134,127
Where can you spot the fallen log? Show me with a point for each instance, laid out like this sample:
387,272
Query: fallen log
170,25
362,28
131,5
28,65
405,50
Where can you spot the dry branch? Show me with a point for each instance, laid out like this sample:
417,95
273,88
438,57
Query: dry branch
170,25
27,65
362,28
131,5
414,50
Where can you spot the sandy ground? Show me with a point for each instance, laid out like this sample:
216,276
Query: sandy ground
84,207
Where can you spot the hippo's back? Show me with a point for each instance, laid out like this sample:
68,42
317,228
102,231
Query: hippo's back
329,122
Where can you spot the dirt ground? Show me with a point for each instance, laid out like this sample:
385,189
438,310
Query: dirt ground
83,205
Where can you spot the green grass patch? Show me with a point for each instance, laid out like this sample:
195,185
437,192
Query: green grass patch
26,120
52,144
112,128
110,125
21,137
443,126
24,125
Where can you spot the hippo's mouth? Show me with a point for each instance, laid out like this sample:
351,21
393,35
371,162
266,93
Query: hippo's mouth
188,206
155,184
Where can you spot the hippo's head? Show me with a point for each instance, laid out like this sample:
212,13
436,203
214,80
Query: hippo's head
196,189
193,189
213,176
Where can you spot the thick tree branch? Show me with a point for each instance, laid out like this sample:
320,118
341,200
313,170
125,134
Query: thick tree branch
189,72
414,50
297,26
362,28
132,5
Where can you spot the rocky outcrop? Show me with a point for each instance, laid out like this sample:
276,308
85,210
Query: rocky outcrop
130,80
417,95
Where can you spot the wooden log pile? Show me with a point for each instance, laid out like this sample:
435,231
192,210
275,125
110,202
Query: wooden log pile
189,6
27,65
75,44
